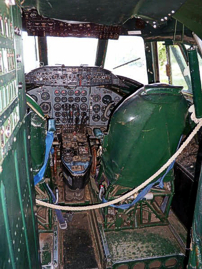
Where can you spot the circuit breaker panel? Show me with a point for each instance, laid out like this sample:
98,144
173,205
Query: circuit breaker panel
18,239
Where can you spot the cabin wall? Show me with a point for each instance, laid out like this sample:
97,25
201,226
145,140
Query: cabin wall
19,238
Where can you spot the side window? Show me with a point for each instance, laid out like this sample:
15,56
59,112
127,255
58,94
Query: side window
179,69
173,68
122,53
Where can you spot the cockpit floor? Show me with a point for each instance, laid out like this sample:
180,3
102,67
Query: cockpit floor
78,246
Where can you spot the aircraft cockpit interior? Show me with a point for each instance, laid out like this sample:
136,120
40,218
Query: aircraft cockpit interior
100,129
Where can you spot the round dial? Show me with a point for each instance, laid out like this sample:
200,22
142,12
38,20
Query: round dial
96,117
45,107
96,108
34,97
77,92
57,114
45,96
64,99
57,120
71,92
96,98
83,99
71,99
75,106
64,92
83,107
77,99
57,99
57,106
57,92
83,92
106,99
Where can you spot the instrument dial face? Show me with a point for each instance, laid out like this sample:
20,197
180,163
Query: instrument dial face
57,99
64,92
83,99
57,106
57,92
77,92
106,99
45,107
77,99
96,117
83,107
71,92
57,114
71,99
96,108
96,98
75,107
64,99
83,92
45,96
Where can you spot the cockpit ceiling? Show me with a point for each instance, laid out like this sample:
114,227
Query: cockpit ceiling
113,12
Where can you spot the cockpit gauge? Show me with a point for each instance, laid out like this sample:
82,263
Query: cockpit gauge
96,98
57,99
57,92
71,92
77,99
75,106
64,92
77,92
83,99
46,107
64,99
57,114
96,108
71,99
106,99
96,117
83,92
45,96
83,107
57,106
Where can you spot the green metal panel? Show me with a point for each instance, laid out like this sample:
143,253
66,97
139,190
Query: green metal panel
19,238
190,15
195,259
105,11
143,134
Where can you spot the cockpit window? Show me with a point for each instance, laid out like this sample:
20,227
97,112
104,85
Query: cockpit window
71,51
128,55
179,69
30,52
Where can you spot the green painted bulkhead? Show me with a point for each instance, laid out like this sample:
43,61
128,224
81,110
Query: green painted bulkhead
143,134
19,235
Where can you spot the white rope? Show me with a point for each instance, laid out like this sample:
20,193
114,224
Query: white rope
145,183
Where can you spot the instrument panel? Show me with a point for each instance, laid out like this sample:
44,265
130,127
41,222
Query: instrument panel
81,104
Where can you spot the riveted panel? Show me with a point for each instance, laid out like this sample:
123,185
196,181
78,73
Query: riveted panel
19,237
